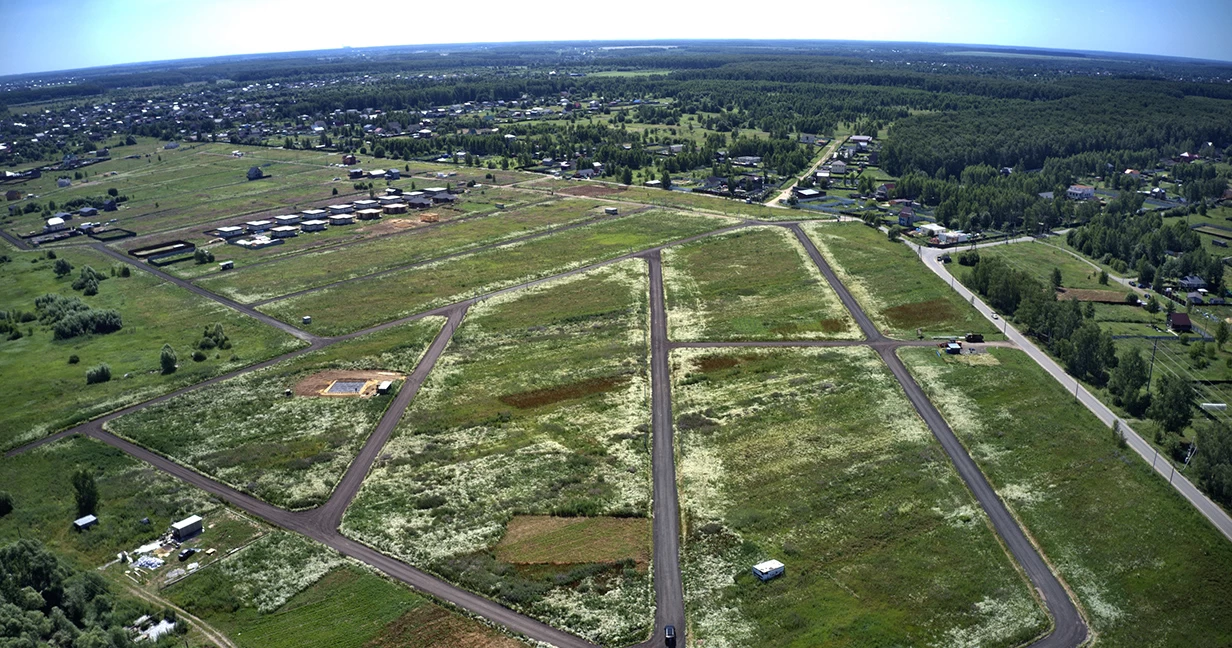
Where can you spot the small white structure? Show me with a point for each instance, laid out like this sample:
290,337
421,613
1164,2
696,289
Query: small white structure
54,224
1080,192
186,528
290,219
340,209
365,204
610,211
226,265
230,231
313,225
932,229
341,219
838,167
307,319
314,213
368,214
768,569
258,225
389,199
81,524
285,231
384,387
436,190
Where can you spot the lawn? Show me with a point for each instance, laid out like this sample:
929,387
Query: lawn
1039,259
892,285
283,276
673,199
289,451
540,406
815,458
46,391
1147,568
753,284
403,293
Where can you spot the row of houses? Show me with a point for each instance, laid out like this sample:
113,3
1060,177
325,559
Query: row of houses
314,220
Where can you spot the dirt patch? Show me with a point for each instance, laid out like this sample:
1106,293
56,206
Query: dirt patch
925,313
833,325
717,363
1102,296
318,384
550,395
430,626
389,225
592,190
547,540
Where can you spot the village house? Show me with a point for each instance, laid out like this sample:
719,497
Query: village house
313,225
1080,192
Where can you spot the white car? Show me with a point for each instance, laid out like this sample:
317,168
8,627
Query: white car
994,316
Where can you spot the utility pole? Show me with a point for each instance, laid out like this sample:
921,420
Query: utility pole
1151,371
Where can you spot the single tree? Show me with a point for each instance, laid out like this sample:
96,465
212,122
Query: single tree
1212,462
85,491
1127,380
894,233
62,267
666,180
1172,404
6,503
1056,278
167,359
1221,333
1103,277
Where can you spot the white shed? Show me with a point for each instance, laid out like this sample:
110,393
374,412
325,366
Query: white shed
285,231
768,569
314,225
186,528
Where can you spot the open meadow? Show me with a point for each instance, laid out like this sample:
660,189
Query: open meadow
1039,260
406,292
815,458
44,377
288,450
892,284
1146,567
539,407
753,284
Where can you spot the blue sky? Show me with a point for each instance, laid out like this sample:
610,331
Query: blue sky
43,35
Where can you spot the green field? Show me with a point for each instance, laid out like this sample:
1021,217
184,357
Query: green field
1039,259
539,406
815,458
674,199
1147,568
44,392
894,287
411,291
754,284
296,273
288,451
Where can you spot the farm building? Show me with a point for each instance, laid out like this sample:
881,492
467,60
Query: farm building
395,208
393,174
87,212
376,173
340,209
1179,322
389,199
55,224
807,194
258,225
768,569
365,204
313,213
284,231
230,231
255,173
355,174
368,214
109,205
81,524
291,219
341,219
186,528
313,225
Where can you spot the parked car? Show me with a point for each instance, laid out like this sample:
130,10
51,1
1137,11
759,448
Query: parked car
187,553
669,636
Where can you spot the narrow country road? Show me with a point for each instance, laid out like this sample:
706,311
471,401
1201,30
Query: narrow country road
825,155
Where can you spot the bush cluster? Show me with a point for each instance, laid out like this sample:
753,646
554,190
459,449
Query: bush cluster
99,374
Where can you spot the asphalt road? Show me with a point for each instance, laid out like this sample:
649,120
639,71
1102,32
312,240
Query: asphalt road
1197,498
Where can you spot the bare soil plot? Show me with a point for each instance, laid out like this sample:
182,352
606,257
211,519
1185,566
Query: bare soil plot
430,626
1102,296
319,384
544,539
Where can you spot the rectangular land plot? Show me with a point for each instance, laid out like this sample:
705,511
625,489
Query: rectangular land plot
45,388
1038,259
289,451
814,457
1147,568
892,284
334,310
753,284
284,276
539,407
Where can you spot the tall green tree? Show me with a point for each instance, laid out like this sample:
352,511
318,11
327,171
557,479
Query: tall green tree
1056,278
1172,404
85,491
1127,381
1212,461
167,359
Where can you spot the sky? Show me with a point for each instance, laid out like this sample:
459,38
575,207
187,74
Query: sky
47,35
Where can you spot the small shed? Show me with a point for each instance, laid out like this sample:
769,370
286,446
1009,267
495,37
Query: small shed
384,387
611,211
226,265
314,225
186,528
340,209
285,231
255,173
307,319
230,231
341,219
289,219
768,569
81,524
368,214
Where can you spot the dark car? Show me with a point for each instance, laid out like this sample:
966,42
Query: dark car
669,636
187,553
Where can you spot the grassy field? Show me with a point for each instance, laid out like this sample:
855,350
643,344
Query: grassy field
1039,259
673,199
411,291
893,286
540,406
754,284
44,508
1147,568
815,458
310,270
544,539
288,451
45,392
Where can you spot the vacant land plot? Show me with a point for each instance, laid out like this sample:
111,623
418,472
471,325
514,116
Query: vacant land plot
44,508
543,539
892,285
289,451
676,199
815,458
1147,568
292,274
407,292
1039,260
540,406
44,379
754,284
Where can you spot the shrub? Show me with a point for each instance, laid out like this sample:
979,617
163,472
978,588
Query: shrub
73,359
198,356
99,374
203,256
6,503
62,267
86,322
167,359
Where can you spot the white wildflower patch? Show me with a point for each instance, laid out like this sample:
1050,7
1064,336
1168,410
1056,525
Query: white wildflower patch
1000,620
276,567
856,285
707,576
601,611
1022,494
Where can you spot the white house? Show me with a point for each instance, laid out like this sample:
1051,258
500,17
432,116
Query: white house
55,225
340,209
230,231
341,219
1080,192
258,225
313,213
285,231
290,219
313,225
767,570
838,167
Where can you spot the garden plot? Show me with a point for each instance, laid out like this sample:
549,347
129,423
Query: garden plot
414,290
892,285
814,457
288,450
539,407
754,284
1147,568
